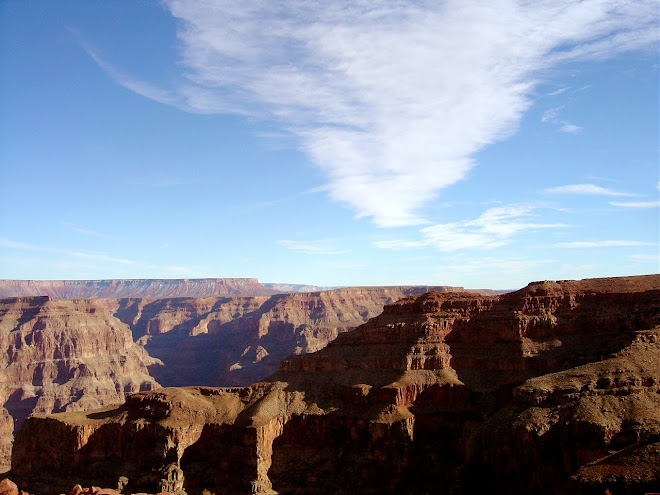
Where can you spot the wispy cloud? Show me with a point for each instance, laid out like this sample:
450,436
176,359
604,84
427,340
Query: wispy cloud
570,128
558,91
390,99
66,259
637,204
99,257
645,257
8,243
160,181
494,228
597,244
472,265
22,246
551,116
587,189
131,83
82,230
318,247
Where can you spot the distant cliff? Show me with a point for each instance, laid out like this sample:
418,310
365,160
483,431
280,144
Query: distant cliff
153,288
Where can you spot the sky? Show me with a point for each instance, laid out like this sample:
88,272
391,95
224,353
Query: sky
478,144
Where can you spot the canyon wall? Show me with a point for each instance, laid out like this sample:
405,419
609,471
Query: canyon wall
239,340
63,356
552,389
70,354
152,288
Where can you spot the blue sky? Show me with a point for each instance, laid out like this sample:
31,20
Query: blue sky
330,143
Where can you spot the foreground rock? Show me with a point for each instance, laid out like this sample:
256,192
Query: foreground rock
551,389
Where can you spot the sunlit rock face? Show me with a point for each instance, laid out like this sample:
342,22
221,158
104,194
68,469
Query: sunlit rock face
64,356
551,389
81,354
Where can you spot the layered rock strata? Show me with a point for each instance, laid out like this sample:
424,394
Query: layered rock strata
560,395
153,288
80,354
236,341
61,356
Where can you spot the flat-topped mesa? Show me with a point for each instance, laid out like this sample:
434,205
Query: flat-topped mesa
152,288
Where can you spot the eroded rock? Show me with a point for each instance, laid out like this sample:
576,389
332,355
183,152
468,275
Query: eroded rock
551,389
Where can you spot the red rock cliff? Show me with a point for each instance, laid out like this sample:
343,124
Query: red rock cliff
79,354
63,356
559,396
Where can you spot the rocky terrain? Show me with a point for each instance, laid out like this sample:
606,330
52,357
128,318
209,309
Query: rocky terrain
552,389
240,340
63,355
152,288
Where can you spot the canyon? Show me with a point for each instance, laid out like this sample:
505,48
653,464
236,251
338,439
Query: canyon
79,354
551,389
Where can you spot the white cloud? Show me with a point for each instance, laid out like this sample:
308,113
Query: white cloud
588,189
319,247
8,243
100,257
390,99
494,228
551,116
570,128
559,91
637,204
112,266
476,265
597,244
645,257
82,230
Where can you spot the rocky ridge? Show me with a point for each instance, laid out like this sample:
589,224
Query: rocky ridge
550,389
152,288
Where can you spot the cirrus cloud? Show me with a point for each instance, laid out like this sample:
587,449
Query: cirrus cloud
391,100
587,189
598,244
493,228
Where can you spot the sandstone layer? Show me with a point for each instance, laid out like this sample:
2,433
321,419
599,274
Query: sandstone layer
153,288
551,389
62,356
235,341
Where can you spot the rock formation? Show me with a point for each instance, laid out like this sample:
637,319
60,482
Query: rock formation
551,389
62,356
235,341
153,288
